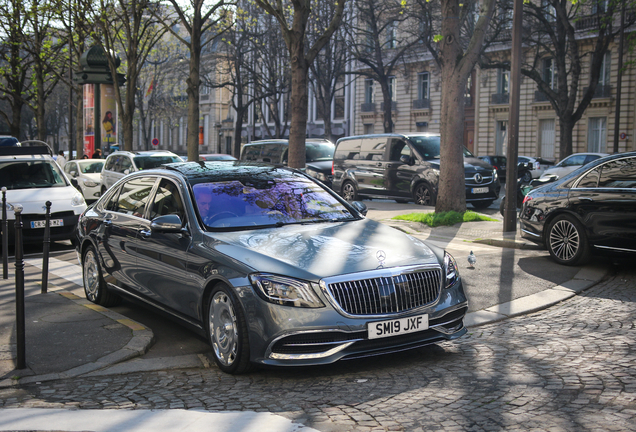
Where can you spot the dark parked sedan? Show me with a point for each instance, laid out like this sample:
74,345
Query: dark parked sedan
591,210
270,265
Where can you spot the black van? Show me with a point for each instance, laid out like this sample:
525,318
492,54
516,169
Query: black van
318,155
405,168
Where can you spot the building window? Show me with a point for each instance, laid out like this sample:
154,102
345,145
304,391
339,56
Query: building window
423,85
546,138
503,81
368,91
600,6
369,128
549,12
596,134
391,35
339,99
392,89
502,137
550,73
604,78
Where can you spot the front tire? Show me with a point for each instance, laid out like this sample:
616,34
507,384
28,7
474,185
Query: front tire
349,191
566,241
423,195
227,331
94,285
527,177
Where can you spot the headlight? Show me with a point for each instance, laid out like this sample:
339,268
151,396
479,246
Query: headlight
317,175
494,174
90,183
285,291
450,269
77,200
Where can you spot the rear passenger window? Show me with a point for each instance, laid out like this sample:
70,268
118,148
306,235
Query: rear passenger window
134,195
590,180
167,201
252,153
373,149
619,174
348,149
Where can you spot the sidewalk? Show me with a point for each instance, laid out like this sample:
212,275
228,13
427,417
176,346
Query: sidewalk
69,336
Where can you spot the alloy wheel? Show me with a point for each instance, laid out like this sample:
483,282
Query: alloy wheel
223,328
91,276
565,240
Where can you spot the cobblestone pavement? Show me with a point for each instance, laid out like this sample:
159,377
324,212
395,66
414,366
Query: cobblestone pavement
571,367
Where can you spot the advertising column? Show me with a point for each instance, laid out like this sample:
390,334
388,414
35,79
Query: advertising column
89,119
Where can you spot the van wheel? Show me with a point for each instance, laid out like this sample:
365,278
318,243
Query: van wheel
423,195
349,191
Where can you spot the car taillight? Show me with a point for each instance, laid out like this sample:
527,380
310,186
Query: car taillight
332,173
537,165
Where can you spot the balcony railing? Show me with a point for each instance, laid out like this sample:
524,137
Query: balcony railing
367,107
602,91
587,22
393,106
499,98
421,103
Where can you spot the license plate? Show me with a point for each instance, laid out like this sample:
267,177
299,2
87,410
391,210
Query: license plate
480,190
52,222
396,327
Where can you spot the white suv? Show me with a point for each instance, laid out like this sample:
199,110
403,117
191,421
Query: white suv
122,163
32,178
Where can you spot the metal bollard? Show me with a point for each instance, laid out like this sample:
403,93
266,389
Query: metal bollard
19,290
5,236
46,249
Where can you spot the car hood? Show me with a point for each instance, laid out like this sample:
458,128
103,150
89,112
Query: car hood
471,165
33,200
316,251
321,166
96,177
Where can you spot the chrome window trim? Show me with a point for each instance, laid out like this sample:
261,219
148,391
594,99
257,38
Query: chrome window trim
389,272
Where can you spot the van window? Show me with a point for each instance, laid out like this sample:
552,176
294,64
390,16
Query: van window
251,152
348,149
272,152
317,151
373,149
398,148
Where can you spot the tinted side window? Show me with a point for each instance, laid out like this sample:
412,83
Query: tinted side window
398,148
111,205
574,160
590,180
134,195
167,201
373,149
619,174
252,152
348,149
272,153
110,163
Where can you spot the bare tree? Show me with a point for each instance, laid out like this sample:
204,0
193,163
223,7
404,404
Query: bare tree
456,51
14,64
294,17
378,47
126,26
556,54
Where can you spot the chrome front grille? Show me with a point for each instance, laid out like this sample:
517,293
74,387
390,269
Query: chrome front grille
386,294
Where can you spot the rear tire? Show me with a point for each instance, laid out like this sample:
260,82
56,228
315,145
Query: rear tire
227,331
94,284
349,191
566,241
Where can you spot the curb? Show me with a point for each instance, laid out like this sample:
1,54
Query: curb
142,339
584,279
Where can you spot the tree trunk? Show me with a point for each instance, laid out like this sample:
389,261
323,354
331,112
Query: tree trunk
452,194
193,82
299,105
565,137
387,111
238,130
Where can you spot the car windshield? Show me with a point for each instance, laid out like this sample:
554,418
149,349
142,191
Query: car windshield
429,147
17,174
319,151
90,167
149,162
255,203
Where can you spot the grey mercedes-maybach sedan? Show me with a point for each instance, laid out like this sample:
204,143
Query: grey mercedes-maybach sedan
271,266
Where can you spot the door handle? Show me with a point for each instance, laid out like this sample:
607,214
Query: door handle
379,164
145,233
586,199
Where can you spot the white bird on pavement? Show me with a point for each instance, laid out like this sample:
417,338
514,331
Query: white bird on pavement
472,259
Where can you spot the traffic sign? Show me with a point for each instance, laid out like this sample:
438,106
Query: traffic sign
155,142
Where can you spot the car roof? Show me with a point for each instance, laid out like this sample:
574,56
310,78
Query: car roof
219,170
389,135
143,153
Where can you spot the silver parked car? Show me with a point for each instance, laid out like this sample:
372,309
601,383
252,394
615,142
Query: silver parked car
87,172
271,266
571,163
122,163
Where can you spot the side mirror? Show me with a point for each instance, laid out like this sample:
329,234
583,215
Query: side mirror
166,224
75,184
74,173
406,159
360,206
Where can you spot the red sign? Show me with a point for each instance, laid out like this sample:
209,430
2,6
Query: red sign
155,142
